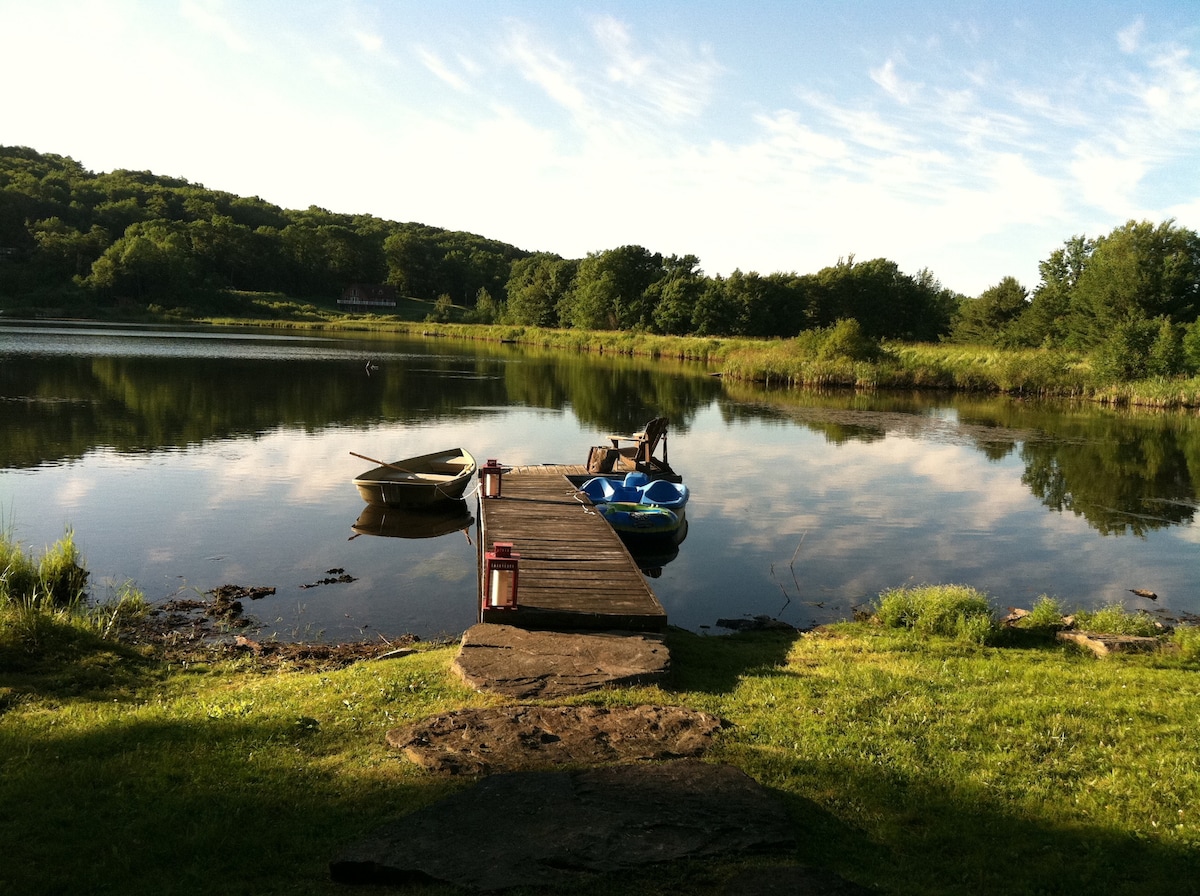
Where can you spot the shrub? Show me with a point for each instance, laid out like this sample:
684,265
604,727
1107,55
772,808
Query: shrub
1046,614
1116,620
1123,356
62,580
44,610
952,611
56,580
846,340
1187,639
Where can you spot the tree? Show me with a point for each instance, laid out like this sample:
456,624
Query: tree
1166,358
1139,270
1124,355
152,260
611,290
1051,318
714,313
486,311
989,319
675,294
536,286
63,252
886,302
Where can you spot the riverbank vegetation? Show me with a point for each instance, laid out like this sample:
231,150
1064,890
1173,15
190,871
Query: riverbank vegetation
1113,318
929,750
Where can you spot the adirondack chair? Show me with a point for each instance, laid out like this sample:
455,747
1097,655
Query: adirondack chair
640,455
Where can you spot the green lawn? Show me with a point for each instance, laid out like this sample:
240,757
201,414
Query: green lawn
912,763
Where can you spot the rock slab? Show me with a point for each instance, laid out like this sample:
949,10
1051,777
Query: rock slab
507,660
559,829
511,738
1103,645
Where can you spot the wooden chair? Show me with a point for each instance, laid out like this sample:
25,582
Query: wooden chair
640,455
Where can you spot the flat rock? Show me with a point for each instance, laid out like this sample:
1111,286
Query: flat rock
509,738
507,660
1103,645
560,829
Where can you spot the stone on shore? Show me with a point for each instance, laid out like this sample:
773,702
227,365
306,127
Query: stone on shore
511,738
559,829
1103,644
504,659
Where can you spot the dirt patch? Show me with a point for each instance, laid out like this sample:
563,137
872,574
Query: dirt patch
205,629
516,738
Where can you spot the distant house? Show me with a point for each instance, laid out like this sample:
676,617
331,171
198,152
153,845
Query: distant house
369,295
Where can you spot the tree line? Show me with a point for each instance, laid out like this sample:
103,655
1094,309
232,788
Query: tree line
133,238
1130,298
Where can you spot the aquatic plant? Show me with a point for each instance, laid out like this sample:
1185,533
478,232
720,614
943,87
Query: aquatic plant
952,611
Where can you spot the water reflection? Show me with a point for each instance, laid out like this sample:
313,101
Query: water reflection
227,461
652,557
430,522
1124,472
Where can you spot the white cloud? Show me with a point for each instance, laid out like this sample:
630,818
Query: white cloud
432,61
549,72
212,17
1129,39
368,41
580,132
1107,181
901,91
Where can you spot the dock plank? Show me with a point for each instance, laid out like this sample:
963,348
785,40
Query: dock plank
575,572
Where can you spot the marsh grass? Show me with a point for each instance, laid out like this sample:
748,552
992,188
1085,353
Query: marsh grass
814,359
56,580
48,625
1117,620
951,611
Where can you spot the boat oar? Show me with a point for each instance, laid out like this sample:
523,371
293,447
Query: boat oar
380,463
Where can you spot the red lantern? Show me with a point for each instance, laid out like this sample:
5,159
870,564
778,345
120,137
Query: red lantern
500,568
489,478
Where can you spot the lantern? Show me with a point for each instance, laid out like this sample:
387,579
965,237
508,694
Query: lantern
500,576
489,478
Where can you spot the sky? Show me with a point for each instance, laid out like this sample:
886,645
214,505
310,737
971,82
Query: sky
967,138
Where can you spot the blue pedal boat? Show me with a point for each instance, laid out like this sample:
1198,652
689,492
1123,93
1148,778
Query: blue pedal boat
636,488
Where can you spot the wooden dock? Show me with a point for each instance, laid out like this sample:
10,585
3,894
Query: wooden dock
575,572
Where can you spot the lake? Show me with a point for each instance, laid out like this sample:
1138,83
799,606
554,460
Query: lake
187,459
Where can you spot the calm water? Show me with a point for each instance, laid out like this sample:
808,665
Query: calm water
185,460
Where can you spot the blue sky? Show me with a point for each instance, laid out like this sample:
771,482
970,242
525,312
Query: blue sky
968,138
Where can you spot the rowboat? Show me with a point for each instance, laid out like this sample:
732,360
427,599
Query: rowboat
418,481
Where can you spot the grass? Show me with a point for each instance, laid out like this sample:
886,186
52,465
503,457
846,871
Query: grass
912,754
807,362
815,359
951,611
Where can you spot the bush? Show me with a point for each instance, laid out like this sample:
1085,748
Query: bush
1186,639
1124,355
846,340
44,611
1046,614
952,611
57,580
1116,620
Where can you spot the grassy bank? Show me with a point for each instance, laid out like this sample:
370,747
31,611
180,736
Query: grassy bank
832,358
928,751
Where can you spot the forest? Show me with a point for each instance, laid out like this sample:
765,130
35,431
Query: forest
128,242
